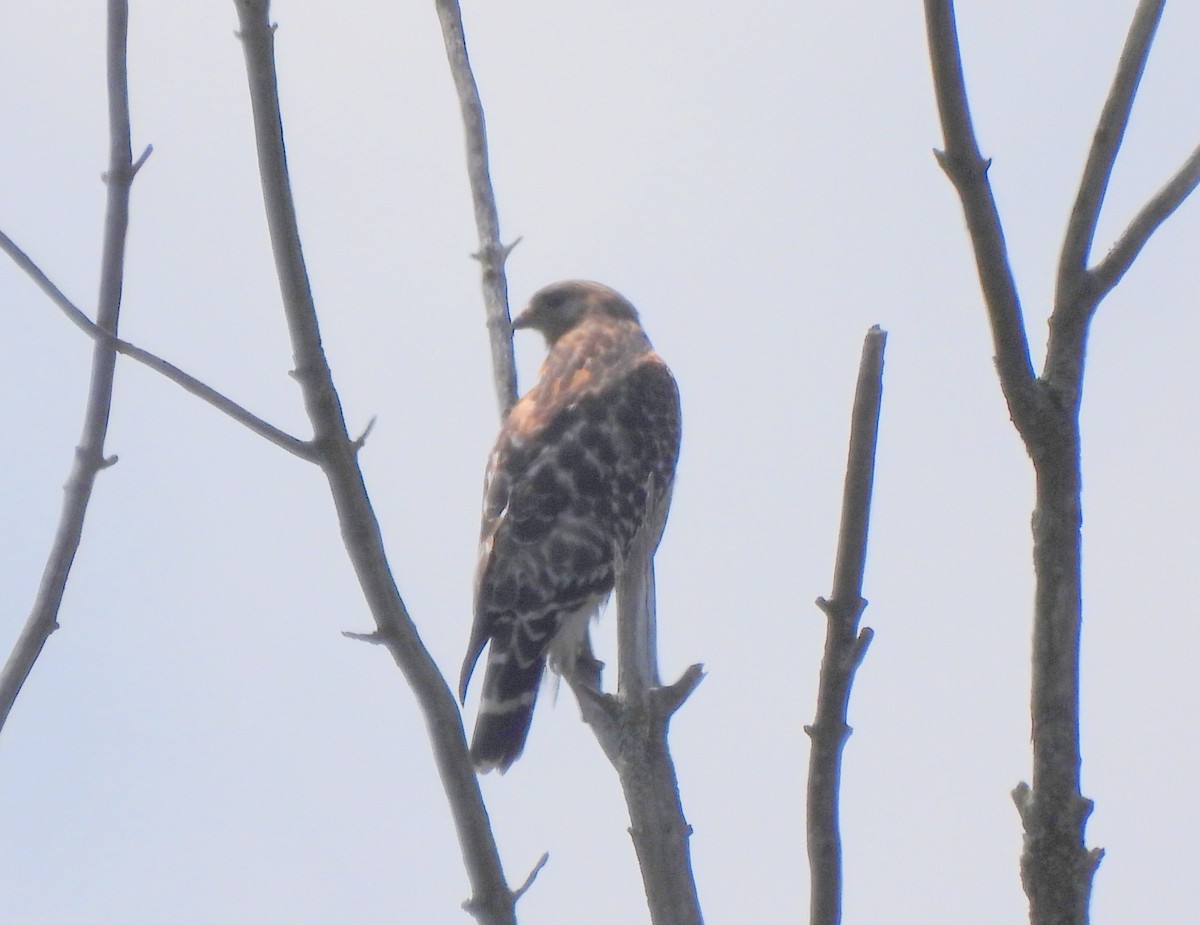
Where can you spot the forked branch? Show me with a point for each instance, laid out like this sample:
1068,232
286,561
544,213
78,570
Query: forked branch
631,727
1078,290
1110,131
1056,866
186,381
643,710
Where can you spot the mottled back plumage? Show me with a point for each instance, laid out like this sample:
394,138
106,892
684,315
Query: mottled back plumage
582,460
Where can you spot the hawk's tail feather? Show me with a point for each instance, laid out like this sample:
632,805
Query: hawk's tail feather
505,713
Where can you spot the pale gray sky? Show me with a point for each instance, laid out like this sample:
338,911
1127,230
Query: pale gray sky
198,743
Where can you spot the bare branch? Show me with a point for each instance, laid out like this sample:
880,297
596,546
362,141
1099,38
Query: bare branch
142,158
860,470
967,170
374,639
1076,294
637,619
491,901
537,869
361,440
89,456
658,827
1108,272
186,381
845,646
670,698
492,254
1110,130
631,728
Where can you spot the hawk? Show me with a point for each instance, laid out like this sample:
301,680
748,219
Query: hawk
583,461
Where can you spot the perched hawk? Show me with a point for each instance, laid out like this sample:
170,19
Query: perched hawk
581,463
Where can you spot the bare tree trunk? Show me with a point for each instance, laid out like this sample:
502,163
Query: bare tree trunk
1056,866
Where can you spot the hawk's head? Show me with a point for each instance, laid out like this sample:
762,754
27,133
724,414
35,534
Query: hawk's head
557,308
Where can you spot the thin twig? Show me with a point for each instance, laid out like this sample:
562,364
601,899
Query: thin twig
89,455
967,170
492,902
1108,272
537,869
1110,130
845,646
186,381
492,254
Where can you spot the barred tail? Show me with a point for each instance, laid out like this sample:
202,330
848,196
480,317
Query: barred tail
505,710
